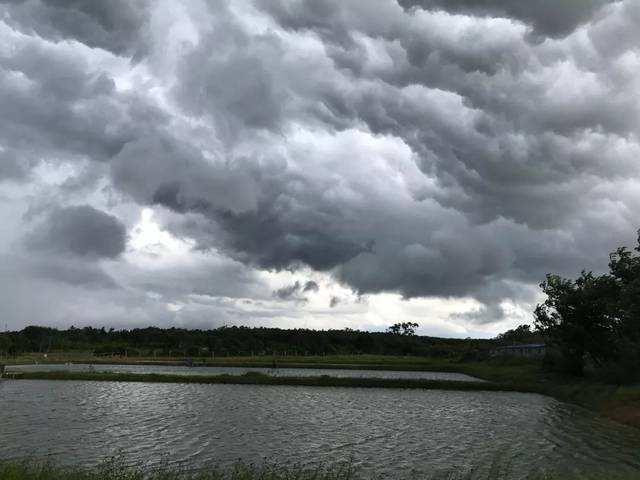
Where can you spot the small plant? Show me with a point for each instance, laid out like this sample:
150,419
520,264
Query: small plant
116,469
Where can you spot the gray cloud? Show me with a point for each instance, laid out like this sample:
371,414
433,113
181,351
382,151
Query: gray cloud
12,167
547,18
296,291
76,273
510,155
115,25
79,230
208,278
55,106
286,293
310,286
428,148
159,169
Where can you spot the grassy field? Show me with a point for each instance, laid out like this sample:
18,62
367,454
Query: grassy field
367,362
115,470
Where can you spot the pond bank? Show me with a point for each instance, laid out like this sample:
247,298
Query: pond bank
255,378
114,470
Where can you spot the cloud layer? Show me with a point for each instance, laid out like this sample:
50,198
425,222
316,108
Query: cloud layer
451,151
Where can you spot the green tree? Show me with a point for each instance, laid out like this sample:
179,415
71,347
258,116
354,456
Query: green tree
404,328
520,334
625,270
576,318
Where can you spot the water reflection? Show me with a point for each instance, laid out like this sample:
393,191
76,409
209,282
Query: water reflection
383,431
283,372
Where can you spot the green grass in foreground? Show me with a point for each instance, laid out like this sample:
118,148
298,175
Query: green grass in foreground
115,470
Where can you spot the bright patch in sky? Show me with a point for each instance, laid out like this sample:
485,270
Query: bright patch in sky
151,245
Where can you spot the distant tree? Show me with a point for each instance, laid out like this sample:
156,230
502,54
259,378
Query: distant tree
404,328
176,342
409,328
5,344
520,334
394,329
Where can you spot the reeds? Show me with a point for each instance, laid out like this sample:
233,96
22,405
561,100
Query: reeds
115,469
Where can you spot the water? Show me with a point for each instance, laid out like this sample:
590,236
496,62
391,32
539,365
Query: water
383,431
283,372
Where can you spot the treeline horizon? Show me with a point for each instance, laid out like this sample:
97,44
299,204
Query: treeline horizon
246,341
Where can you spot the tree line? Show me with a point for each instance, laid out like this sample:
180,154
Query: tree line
400,339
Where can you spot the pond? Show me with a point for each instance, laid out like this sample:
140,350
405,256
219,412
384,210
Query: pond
382,431
283,372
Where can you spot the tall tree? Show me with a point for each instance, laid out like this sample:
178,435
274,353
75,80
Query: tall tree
576,318
625,269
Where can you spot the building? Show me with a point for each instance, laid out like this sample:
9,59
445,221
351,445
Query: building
523,350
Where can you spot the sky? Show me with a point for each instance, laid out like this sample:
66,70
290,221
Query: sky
311,163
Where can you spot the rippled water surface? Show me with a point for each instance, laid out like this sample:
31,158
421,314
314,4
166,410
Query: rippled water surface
382,430
283,372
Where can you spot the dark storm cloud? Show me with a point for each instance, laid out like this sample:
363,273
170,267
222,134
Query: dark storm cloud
503,129
288,292
206,277
75,273
511,155
79,230
296,291
55,105
549,18
254,207
12,167
428,148
238,90
273,241
160,169
114,25
310,286
326,17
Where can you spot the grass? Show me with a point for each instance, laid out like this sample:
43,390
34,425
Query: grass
365,362
115,469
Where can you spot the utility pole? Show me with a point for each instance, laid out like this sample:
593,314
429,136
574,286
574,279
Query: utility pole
5,331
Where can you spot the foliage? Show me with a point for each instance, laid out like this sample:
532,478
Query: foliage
115,469
595,320
404,328
234,341
520,334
